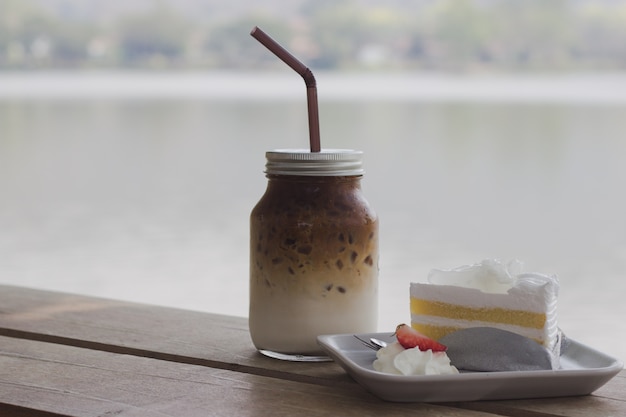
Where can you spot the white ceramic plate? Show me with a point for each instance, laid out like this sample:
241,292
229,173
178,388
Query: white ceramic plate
583,370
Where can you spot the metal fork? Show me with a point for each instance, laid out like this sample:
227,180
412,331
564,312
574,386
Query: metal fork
373,343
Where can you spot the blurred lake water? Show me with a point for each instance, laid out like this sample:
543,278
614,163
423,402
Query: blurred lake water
139,186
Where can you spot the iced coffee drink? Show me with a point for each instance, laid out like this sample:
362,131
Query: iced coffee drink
313,252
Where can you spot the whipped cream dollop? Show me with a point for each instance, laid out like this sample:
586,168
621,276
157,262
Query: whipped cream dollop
490,276
394,359
493,276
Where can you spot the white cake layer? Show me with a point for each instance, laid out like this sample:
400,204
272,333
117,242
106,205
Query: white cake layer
518,298
547,334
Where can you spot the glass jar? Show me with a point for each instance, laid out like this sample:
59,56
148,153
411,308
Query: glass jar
313,252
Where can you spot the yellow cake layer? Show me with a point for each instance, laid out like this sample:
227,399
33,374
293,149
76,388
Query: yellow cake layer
434,332
437,332
492,314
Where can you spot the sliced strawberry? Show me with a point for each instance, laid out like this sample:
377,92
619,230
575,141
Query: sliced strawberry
409,338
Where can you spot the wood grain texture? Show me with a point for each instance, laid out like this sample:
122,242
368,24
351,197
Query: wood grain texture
82,382
71,355
146,330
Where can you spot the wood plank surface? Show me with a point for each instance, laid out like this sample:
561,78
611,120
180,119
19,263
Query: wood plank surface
146,330
82,382
76,355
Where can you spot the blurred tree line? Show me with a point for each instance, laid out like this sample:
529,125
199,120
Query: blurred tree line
448,35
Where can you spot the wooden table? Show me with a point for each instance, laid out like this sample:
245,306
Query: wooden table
71,355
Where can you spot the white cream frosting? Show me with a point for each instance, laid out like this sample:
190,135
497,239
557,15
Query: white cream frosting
489,276
492,284
394,359
506,285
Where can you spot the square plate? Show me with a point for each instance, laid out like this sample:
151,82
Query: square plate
583,370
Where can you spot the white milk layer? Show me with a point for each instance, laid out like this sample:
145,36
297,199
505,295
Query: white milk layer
290,323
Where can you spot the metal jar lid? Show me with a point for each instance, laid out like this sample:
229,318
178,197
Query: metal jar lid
328,162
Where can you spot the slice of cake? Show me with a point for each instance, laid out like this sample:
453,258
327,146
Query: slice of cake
489,294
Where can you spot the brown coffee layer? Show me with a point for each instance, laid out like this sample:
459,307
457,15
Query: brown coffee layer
321,240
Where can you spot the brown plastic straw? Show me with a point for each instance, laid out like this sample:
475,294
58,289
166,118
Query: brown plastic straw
309,81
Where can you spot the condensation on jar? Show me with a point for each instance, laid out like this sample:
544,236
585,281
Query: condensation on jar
313,252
